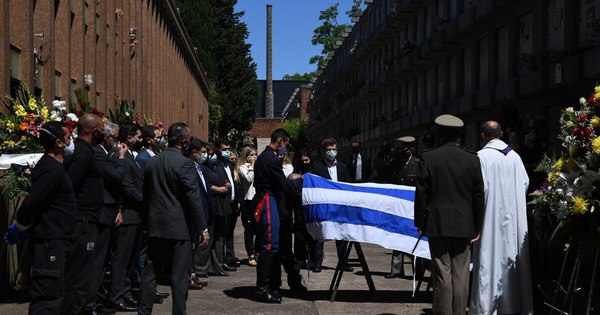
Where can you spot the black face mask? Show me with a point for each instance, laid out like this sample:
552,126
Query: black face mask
98,137
305,167
137,146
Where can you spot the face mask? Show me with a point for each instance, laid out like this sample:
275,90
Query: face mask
137,146
161,143
202,158
305,168
226,154
98,137
70,149
212,159
331,154
282,150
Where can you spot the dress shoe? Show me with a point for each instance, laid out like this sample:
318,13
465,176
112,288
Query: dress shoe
392,275
316,269
161,294
298,288
194,286
125,307
158,299
267,296
347,268
227,267
103,310
219,274
198,281
130,300
201,275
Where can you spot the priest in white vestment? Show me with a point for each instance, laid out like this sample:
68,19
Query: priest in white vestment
501,270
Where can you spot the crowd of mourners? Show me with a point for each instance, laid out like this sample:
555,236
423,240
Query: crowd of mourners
120,207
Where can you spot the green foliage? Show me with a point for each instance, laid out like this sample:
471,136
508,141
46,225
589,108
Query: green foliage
328,33
16,182
299,77
297,130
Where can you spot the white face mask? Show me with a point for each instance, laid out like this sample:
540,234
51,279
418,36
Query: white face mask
203,157
331,154
70,148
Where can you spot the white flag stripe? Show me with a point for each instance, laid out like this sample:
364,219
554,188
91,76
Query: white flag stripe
387,204
368,234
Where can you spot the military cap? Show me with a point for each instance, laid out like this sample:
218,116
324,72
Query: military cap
449,121
406,139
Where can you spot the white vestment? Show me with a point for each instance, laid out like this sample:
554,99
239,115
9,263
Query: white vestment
501,269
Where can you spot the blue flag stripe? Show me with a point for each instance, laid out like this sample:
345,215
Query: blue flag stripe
360,216
316,181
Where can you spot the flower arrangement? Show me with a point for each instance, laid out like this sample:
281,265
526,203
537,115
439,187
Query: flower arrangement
19,127
569,194
82,104
124,113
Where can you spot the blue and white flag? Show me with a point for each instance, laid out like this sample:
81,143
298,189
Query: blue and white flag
381,214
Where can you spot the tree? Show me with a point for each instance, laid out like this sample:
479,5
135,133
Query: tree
299,77
296,128
220,40
328,33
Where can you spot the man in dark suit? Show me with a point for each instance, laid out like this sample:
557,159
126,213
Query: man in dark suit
110,157
175,215
88,185
360,165
448,210
153,142
127,222
335,170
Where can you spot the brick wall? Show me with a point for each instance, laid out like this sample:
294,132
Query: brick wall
160,71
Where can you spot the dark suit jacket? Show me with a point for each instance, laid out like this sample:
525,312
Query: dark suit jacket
132,190
320,168
221,203
205,195
173,196
450,199
366,168
112,174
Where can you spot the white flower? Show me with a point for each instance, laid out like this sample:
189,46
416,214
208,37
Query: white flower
569,110
60,106
55,116
72,117
582,101
127,114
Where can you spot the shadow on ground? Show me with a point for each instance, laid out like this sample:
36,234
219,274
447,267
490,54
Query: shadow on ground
355,296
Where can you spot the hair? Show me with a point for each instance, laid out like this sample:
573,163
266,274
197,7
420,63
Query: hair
447,134
49,133
297,160
176,133
110,128
195,145
286,158
148,133
242,160
327,142
492,129
221,141
279,133
127,130
428,140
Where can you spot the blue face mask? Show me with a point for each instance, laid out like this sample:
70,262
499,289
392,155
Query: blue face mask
161,143
212,159
282,150
226,154
202,158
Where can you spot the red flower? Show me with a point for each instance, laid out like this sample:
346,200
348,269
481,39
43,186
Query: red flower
587,131
582,117
79,113
591,100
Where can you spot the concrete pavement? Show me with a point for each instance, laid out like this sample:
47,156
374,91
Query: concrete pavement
235,294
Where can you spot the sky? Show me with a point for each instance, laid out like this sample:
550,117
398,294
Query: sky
293,25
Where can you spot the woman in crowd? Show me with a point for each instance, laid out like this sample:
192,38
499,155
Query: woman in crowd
288,168
244,174
302,165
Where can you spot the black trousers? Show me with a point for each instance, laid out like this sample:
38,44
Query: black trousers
221,228
231,223
247,217
159,252
47,276
101,249
286,252
124,238
79,268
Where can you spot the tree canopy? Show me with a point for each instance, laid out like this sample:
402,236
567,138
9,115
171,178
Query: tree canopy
299,77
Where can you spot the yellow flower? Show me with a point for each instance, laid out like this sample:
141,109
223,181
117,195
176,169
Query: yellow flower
44,112
559,164
579,206
595,121
32,103
553,176
597,89
572,150
20,110
570,165
10,126
596,145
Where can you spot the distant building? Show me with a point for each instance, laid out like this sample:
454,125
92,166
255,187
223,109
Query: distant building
263,127
405,62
